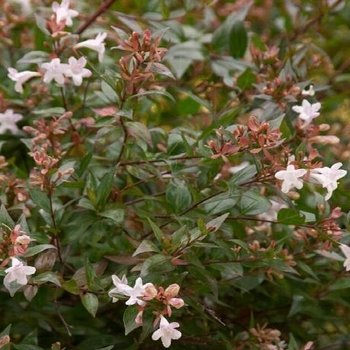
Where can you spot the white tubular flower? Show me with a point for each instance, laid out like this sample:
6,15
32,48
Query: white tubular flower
166,332
18,273
8,121
346,251
328,177
290,178
137,292
63,12
20,77
77,71
54,70
96,44
307,111
121,287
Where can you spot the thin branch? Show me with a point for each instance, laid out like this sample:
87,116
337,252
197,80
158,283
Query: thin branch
103,8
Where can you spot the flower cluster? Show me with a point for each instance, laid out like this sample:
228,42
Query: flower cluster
293,177
325,176
257,137
146,295
57,71
143,61
269,337
13,245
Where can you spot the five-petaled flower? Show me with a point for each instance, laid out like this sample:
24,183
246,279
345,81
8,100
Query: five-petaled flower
20,77
18,273
8,121
96,44
76,70
54,70
135,293
307,111
166,332
63,12
346,251
121,287
291,178
328,177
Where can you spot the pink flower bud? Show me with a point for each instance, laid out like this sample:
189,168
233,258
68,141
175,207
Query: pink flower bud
177,303
172,290
138,318
150,292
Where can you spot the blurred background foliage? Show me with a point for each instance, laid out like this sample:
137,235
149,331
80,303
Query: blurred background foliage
245,281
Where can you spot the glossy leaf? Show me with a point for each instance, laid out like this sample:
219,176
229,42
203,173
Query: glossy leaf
90,302
290,216
178,195
238,40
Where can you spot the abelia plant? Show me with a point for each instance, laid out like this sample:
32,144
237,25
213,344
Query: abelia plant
174,175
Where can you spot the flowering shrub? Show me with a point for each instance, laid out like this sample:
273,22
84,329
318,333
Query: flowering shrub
174,175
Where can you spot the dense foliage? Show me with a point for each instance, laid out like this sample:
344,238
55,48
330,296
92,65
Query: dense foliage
174,174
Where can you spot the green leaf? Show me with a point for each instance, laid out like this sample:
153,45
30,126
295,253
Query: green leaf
248,283
146,246
298,305
246,79
26,347
306,268
90,302
200,274
129,319
71,287
49,112
40,199
220,203
178,195
84,163
253,203
47,276
175,144
155,92
34,57
6,331
293,345
221,36
215,224
104,188
158,233
238,40
31,251
5,218
117,215
139,130
290,216
243,176
157,264
5,340
342,283
109,91
179,236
